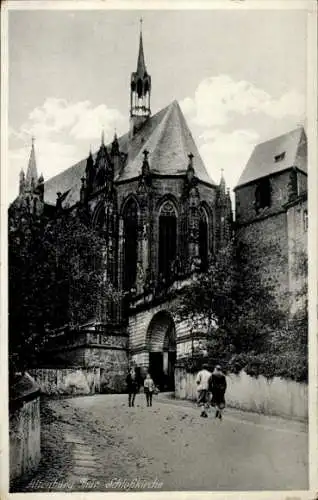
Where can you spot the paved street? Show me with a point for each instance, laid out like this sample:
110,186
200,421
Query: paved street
97,443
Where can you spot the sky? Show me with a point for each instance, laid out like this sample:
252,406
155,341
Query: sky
239,76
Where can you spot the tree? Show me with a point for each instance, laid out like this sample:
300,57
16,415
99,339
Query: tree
240,307
57,277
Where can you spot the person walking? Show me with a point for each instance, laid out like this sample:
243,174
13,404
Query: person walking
149,387
218,388
132,386
203,383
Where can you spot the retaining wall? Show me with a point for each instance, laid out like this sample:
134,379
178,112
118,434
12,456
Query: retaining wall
277,396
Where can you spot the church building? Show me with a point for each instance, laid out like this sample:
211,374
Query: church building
162,217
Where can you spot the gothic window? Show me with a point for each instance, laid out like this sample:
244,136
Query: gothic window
203,238
139,88
130,218
167,238
263,194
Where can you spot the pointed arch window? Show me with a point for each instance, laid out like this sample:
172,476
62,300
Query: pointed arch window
167,238
139,88
130,218
203,238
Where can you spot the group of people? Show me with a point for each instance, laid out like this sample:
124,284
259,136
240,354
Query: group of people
211,388
211,384
134,382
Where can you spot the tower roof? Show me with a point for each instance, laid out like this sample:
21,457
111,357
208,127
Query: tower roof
277,154
141,66
167,138
31,170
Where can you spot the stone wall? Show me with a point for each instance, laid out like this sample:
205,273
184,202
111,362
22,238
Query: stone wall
138,328
245,199
24,429
109,377
297,214
277,396
267,242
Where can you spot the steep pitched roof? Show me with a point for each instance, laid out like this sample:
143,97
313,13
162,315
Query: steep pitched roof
167,138
278,154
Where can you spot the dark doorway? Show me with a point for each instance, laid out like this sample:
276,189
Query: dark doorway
171,364
130,244
162,350
167,239
156,368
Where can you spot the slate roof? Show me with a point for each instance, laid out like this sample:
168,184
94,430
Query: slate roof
167,138
290,147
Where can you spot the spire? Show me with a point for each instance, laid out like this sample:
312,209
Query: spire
141,66
103,138
32,174
140,90
222,182
21,181
115,146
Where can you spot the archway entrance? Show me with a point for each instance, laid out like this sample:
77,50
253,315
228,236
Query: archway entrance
161,343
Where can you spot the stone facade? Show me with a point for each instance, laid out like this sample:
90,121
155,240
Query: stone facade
271,213
161,218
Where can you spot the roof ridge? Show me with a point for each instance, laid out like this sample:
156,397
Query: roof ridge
278,137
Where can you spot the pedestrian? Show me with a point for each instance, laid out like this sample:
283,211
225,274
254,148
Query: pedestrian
132,386
218,388
203,384
149,387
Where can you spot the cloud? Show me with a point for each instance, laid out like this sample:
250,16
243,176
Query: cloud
64,132
218,99
80,120
227,151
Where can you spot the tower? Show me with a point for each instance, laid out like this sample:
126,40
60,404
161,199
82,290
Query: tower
140,90
31,187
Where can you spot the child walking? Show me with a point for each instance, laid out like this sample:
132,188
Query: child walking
149,387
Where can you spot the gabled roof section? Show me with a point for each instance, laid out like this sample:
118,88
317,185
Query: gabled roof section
167,138
278,154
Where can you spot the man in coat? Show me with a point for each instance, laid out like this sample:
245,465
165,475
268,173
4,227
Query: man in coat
132,386
218,388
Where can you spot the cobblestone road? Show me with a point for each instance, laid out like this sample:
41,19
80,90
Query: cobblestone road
97,443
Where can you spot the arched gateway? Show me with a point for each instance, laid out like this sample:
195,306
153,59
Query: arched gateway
161,345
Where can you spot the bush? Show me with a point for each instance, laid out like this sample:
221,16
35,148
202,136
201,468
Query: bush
290,365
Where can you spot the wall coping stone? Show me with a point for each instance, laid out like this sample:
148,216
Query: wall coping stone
23,389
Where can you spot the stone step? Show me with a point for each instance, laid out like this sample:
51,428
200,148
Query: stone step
85,463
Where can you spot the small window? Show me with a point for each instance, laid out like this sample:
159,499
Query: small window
305,220
279,157
263,195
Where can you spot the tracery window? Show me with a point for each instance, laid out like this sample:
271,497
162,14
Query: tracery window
203,238
130,218
167,239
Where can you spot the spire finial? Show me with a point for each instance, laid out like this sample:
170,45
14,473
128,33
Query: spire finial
141,20
103,137
32,140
